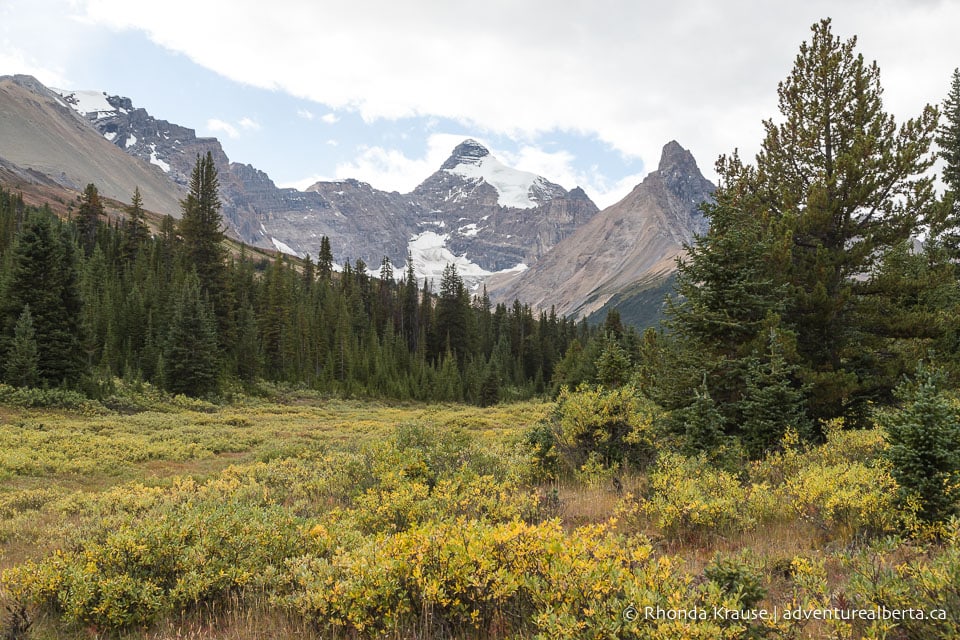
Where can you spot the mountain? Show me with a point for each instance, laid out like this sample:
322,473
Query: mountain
42,140
502,217
474,211
627,249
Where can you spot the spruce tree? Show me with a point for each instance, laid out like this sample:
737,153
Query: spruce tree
454,319
325,260
410,310
924,438
201,228
772,402
135,228
190,359
88,217
22,367
44,276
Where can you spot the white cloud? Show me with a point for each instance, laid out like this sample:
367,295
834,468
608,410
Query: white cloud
306,114
633,74
249,124
392,170
215,125
330,118
14,62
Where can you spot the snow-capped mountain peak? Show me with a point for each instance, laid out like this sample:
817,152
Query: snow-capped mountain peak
515,188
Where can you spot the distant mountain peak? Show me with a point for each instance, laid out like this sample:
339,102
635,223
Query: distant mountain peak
674,157
467,152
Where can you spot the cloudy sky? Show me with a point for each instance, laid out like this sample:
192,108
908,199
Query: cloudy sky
584,93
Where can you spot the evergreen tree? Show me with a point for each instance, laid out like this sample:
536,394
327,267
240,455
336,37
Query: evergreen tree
325,260
924,437
948,138
851,185
201,228
88,217
43,276
410,311
190,360
772,403
701,423
613,365
136,227
837,186
22,367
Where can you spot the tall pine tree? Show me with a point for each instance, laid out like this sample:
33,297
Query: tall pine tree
836,187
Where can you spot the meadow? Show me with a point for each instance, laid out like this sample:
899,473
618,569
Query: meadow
149,516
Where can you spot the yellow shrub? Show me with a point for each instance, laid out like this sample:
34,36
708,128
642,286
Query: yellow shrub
688,495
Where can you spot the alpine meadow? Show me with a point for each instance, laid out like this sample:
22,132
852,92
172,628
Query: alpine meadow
205,438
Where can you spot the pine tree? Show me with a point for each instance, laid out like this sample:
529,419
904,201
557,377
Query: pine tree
136,227
836,187
88,217
190,359
852,186
22,367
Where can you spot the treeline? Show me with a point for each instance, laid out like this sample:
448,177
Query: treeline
83,301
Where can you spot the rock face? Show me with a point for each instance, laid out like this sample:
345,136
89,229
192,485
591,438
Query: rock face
634,241
500,217
476,211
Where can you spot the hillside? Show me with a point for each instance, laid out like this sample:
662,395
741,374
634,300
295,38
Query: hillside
41,134
634,241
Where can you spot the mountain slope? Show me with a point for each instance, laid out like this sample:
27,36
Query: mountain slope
474,211
500,217
40,132
634,241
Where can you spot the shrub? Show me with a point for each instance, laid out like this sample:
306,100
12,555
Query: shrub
615,424
690,496
847,499
922,583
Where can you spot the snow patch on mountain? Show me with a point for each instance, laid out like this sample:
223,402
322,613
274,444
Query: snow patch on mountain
431,256
284,248
157,161
88,102
515,187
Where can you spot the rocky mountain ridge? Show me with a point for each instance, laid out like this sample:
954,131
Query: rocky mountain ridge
633,242
473,211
